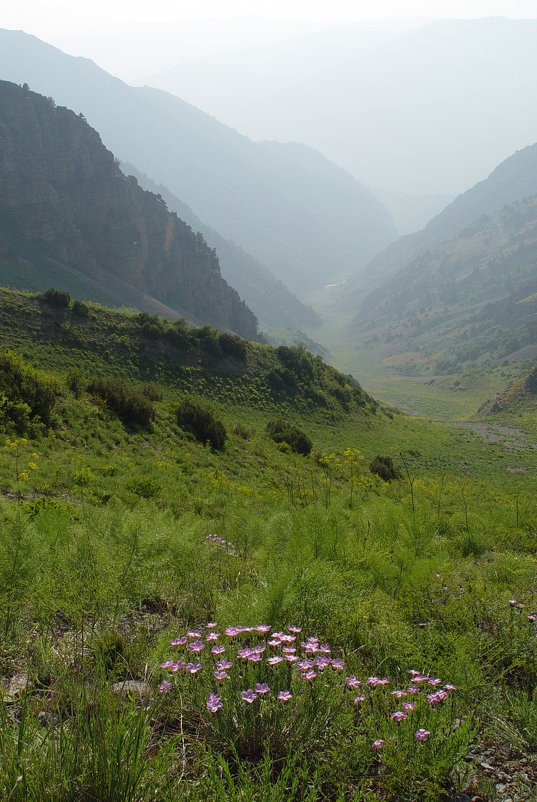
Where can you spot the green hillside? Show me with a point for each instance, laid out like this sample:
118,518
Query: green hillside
153,524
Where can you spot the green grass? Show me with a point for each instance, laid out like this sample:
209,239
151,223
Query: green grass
107,554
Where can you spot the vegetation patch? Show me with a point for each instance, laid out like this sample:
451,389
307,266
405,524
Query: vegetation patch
26,398
197,416
282,431
131,404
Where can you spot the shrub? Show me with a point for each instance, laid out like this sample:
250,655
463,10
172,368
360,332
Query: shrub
56,299
384,467
26,399
131,404
152,392
145,487
232,345
195,415
80,309
284,432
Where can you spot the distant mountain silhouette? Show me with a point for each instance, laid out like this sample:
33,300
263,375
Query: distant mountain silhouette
270,300
295,211
63,199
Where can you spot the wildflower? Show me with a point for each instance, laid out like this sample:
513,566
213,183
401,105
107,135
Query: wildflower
414,673
290,658
193,668
322,662
212,636
412,689
262,629
407,706
399,715
244,653
450,687
436,698
261,688
179,641
433,681
196,646
224,664
254,657
218,650
399,694
165,686
289,650
532,618
278,635
221,675
294,630
324,648
338,664
194,633
232,631
352,682
304,665
284,696
419,679
273,661
360,698
274,643
214,702
288,638
513,602
212,625
376,745
260,648
174,668
309,675
422,735
249,696
167,664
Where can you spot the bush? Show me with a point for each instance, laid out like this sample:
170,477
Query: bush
56,299
195,415
131,404
80,309
284,432
26,399
384,467
232,345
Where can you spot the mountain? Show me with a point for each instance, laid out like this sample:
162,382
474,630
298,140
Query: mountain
514,179
270,300
63,199
293,209
471,301
424,111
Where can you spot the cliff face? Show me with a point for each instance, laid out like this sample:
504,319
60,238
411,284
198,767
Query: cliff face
61,190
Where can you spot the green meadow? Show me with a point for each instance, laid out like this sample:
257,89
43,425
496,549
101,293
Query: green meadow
192,610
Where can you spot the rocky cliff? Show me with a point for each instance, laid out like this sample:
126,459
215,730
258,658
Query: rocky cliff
63,191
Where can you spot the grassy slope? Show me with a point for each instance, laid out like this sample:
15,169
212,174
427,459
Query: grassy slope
104,558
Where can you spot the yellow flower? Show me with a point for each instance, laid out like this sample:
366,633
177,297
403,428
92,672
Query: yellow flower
23,476
32,465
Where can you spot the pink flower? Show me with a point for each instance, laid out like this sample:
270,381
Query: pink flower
196,646
338,664
324,648
304,665
422,735
214,702
352,682
399,694
212,636
321,662
232,631
407,706
284,696
224,664
262,629
249,696
436,698
176,666
434,681
273,661
294,630
290,658
399,715
193,668
289,650
165,686
449,687
414,673
287,638
194,633
167,664
221,675
309,675
262,688
212,625
244,653
218,650
255,657
532,617
358,699
275,643
376,745
513,602
179,641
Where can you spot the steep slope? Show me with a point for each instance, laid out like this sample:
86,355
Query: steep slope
63,194
270,300
306,221
473,298
514,179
